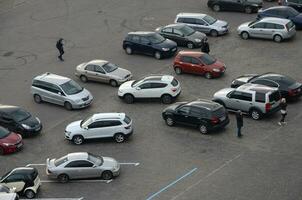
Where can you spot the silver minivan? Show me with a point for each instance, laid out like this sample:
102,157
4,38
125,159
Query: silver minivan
276,29
9,196
60,90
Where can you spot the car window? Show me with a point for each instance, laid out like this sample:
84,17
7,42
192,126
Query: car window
99,124
135,39
195,61
197,112
259,25
185,59
144,40
265,82
167,30
210,20
270,26
180,19
186,30
71,87
177,32
61,160
114,123
184,110
260,97
189,20
99,69
292,12
145,86
272,12
55,89
156,38
200,22
289,25
158,85
275,96
127,119
109,67
3,132
207,59
90,68
242,96
14,178
174,82
279,26
79,163
20,115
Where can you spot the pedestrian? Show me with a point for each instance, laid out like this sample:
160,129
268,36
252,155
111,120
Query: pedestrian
59,46
283,106
239,119
205,46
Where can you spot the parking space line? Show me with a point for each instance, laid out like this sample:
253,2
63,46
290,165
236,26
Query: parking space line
81,198
171,184
135,164
78,181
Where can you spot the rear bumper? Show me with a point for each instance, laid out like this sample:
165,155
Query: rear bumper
272,111
220,125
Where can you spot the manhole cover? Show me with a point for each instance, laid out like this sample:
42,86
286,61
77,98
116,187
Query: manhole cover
9,53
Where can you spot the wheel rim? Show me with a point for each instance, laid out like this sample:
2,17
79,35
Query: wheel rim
245,35
255,115
128,50
214,33
277,38
68,106
37,98
216,8
157,55
177,70
63,178
208,75
84,78
128,99
119,138
107,175
169,121
166,99
30,194
190,45
78,140
113,83
203,129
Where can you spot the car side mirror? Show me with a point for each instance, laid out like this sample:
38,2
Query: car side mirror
60,93
86,127
138,88
94,166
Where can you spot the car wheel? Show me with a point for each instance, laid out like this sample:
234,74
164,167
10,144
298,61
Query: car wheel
30,194
245,35
128,98
255,114
83,78
213,33
119,137
208,75
177,70
157,55
190,45
248,10
169,121
63,178
166,99
113,83
129,50
216,8
203,129
277,38
68,106
78,139
37,98
1,151
107,175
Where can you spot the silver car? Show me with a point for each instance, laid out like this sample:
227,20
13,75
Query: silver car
60,90
81,165
102,71
273,28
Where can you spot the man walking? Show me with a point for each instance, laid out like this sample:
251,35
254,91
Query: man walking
205,48
59,46
239,119
283,106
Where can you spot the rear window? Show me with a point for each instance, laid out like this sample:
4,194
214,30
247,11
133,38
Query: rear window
275,96
174,82
127,119
260,97
3,132
289,25
34,174
220,112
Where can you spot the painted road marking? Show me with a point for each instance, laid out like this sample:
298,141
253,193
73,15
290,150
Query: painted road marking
135,164
81,198
171,184
78,181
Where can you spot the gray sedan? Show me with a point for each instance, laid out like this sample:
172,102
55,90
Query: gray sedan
82,165
102,71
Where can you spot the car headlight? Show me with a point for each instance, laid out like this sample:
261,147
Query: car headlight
197,40
78,100
216,70
38,120
67,133
165,49
8,144
25,126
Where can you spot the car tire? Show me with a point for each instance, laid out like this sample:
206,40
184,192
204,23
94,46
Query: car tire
113,83
78,139
128,50
203,129
29,194
83,78
214,33
129,98
216,7
67,105
37,98
245,35
169,121
63,178
248,10
208,75
277,38
190,45
119,138
255,114
157,55
107,175
166,99
177,70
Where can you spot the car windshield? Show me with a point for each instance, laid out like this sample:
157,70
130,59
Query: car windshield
210,20
71,87
284,80
292,12
85,122
207,59
3,132
109,67
20,115
186,30
253,22
60,161
97,160
137,82
156,38
2,177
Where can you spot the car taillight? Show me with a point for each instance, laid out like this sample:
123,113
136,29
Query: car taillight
127,127
174,89
268,106
291,92
214,120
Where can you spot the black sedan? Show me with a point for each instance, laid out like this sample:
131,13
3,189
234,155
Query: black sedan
149,43
247,6
19,120
182,34
289,88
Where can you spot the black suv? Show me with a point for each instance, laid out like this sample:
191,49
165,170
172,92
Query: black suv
296,4
19,120
247,6
204,114
149,43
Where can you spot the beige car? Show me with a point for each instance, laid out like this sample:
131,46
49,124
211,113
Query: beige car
102,71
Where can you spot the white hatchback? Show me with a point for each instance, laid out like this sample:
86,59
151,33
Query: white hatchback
164,87
101,125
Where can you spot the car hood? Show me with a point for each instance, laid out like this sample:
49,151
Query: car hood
220,23
109,162
244,25
166,44
31,122
245,78
197,35
121,73
83,94
12,138
126,85
217,65
174,106
73,126
223,92
81,66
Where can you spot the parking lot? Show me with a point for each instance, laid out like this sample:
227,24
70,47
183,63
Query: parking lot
158,162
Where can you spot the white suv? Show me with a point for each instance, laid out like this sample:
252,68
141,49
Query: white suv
165,87
101,125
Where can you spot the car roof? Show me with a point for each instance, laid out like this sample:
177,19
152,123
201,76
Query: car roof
23,170
275,20
97,62
255,87
175,25
278,8
100,116
8,108
77,156
191,53
52,78
144,33
191,15
203,103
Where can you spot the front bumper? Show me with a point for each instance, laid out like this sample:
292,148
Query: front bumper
32,132
169,53
82,104
13,148
272,111
124,80
223,31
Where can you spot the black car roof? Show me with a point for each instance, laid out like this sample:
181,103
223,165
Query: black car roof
175,25
202,103
8,108
24,170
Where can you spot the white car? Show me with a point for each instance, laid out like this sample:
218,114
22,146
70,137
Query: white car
101,125
165,87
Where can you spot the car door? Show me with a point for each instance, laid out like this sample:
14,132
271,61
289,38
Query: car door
73,169
143,90
191,22
179,37
197,116
202,26
182,115
157,89
7,122
89,72
270,29
56,94
257,30
197,66
14,180
86,170
239,101
100,74
232,5
168,33
97,129
135,43
113,127
146,46
185,62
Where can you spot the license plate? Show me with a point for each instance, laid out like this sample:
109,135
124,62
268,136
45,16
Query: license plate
222,118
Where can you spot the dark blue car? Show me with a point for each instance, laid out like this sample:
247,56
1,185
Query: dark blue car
282,12
149,43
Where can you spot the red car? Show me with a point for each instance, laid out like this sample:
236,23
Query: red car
9,141
198,63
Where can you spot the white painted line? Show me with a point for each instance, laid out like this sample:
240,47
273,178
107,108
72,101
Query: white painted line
81,198
78,181
35,165
135,164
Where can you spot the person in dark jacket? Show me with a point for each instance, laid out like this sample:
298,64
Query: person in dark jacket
205,46
59,46
283,106
239,119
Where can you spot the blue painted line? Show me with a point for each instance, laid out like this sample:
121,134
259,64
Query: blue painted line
171,184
